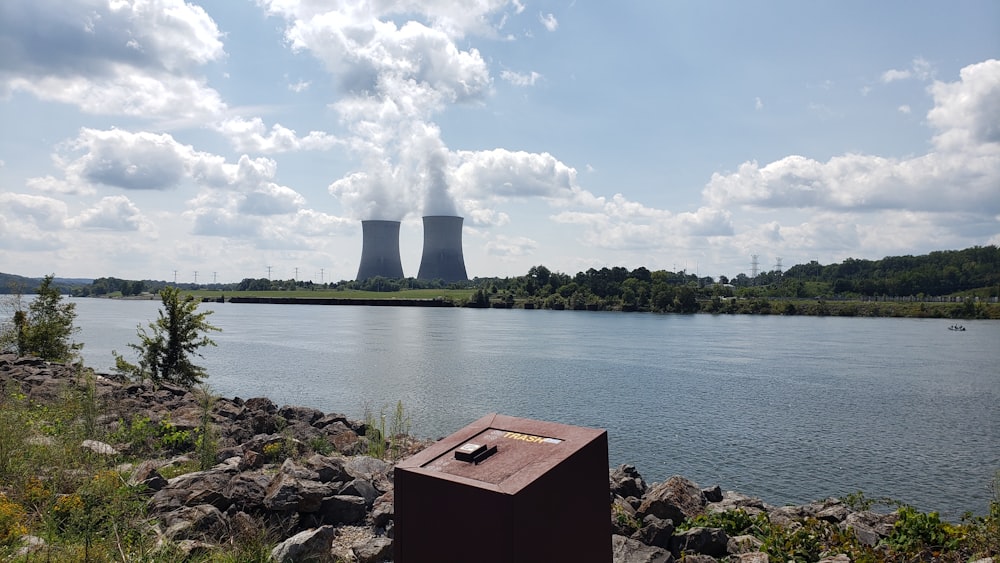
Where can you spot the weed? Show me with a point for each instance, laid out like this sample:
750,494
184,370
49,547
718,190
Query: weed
206,444
387,442
917,530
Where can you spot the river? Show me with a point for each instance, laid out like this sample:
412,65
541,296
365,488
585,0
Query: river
790,409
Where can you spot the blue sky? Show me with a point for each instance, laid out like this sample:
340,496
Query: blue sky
146,137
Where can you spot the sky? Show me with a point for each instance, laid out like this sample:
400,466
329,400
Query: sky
219,140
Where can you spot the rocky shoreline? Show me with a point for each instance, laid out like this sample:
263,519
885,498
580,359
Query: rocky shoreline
303,473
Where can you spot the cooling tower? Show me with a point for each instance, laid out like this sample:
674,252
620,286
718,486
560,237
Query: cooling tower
380,250
442,258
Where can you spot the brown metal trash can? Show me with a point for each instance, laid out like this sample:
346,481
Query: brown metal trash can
505,489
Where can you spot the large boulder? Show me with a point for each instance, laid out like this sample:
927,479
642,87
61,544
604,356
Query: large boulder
286,493
626,482
675,499
203,521
869,527
246,490
343,509
627,550
308,545
655,531
705,541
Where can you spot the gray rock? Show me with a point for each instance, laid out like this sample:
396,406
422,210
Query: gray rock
343,509
626,482
739,545
623,518
305,415
752,557
705,541
289,494
733,501
839,558
834,513
246,490
626,550
147,474
383,510
30,545
328,469
675,499
360,488
375,550
294,469
869,527
309,545
656,532
712,494
195,522
199,487
99,448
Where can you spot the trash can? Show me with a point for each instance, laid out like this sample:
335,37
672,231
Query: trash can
505,489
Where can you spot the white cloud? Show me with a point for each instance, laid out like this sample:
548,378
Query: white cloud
40,211
549,21
894,75
500,174
967,112
961,175
758,104
904,109
111,57
920,69
249,135
505,246
370,55
300,86
622,224
53,185
520,79
152,161
114,213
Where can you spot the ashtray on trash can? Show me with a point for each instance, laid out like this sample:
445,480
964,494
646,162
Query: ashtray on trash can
505,489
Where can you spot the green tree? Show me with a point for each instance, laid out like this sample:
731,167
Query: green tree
45,329
165,353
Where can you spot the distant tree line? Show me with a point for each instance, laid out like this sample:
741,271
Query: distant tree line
973,272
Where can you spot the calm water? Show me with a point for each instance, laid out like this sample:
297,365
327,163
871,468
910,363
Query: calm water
790,409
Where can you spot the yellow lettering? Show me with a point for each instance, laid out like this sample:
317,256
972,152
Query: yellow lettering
524,437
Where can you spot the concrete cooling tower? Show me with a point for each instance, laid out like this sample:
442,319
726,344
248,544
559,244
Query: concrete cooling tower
380,250
442,258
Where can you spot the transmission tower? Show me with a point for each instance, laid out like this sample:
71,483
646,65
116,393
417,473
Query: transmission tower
196,277
754,265
777,265
268,273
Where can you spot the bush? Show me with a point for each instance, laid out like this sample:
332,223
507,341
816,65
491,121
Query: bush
165,352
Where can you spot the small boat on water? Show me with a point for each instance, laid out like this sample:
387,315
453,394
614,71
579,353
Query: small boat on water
956,327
